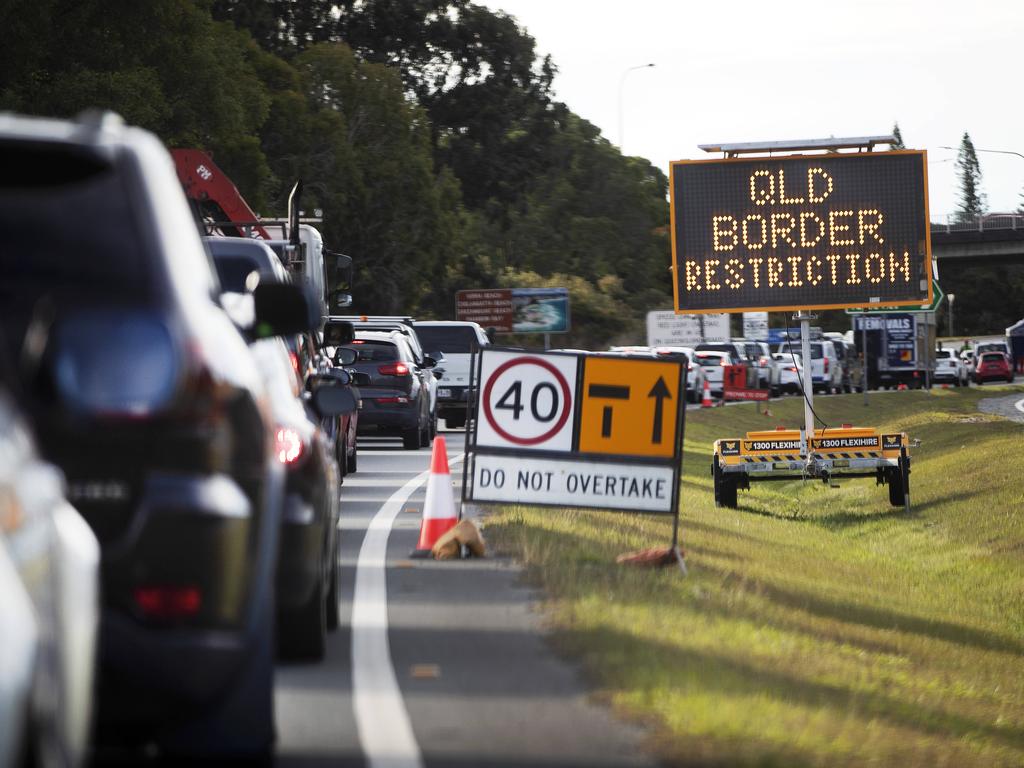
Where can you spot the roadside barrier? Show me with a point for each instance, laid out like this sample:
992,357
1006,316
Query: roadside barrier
439,515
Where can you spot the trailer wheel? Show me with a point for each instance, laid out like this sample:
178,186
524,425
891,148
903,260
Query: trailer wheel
725,489
899,482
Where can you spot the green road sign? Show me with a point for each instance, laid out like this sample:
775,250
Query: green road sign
937,297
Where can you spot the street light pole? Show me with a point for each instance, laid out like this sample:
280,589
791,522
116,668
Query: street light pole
622,88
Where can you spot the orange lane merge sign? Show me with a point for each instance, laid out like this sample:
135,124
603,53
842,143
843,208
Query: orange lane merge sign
629,407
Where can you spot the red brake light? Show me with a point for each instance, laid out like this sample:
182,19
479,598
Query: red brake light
392,399
393,369
294,359
826,365
166,602
287,445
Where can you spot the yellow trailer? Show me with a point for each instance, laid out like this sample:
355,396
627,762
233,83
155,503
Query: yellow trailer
829,455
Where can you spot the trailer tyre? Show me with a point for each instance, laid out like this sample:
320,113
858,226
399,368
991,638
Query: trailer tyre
725,490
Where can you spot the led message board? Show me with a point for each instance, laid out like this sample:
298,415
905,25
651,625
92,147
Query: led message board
801,232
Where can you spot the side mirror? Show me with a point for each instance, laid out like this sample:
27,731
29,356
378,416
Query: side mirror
439,373
338,332
361,379
428,361
281,309
342,300
340,376
330,400
344,356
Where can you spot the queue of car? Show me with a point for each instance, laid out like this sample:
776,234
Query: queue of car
172,439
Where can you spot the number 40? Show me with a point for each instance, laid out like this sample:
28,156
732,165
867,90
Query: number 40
512,400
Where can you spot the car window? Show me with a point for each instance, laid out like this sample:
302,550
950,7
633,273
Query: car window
233,271
457,339
816,351
991,357
67,221
374,351
708,360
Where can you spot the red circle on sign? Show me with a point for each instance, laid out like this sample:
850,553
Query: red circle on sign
562,418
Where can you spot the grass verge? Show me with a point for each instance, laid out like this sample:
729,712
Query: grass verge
817,627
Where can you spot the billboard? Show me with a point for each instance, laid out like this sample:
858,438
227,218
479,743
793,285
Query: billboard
801,232
515,310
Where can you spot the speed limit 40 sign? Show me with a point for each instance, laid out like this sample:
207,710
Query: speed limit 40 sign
526,401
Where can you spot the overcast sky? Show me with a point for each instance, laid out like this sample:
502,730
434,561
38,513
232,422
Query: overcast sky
756,70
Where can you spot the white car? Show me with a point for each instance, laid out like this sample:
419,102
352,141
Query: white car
967,357
826,370
49,655
456,341
950,368
790,371
694,372
713,365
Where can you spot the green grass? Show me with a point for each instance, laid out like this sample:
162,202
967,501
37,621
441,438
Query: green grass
817,626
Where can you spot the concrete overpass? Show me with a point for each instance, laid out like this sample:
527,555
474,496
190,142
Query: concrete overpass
993,238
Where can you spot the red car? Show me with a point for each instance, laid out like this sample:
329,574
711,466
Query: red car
993,365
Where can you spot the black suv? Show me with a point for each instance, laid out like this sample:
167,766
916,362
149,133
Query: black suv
145,394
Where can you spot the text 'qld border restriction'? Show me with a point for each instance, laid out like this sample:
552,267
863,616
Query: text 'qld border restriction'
801,232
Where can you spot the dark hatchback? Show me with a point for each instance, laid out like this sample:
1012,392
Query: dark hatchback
395,397
144,393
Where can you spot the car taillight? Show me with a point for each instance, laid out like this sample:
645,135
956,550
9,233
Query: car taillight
287,445
393,369
826,365
168,602
293,358
120,363
763,361
791,369
392,399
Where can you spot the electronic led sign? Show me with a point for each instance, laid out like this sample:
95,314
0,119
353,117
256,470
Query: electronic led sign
801,232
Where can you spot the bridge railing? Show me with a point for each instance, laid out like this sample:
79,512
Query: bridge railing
957,222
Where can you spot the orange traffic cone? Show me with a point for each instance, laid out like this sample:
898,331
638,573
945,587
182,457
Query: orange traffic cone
439,508
706,400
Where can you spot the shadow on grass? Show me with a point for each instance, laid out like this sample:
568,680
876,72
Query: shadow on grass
717,673
881,618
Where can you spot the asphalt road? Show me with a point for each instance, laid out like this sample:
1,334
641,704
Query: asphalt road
451,665
1010,406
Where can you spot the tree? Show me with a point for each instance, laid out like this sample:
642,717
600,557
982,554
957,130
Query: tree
898,144
972,199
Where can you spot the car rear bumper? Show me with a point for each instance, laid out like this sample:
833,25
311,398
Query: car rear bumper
189,531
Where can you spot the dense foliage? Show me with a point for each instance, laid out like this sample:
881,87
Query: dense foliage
425,130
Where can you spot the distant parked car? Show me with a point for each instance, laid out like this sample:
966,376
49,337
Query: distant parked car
967,356
759,357
993,366
826,371
694,371
790,372
949,368
713,364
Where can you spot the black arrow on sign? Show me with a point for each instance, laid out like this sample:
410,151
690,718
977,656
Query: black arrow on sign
659,391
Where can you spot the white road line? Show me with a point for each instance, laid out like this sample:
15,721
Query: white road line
1019,405
382,720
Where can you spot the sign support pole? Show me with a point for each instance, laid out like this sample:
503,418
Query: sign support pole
805,353
864,360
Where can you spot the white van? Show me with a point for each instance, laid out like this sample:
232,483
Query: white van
456,340
826,370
